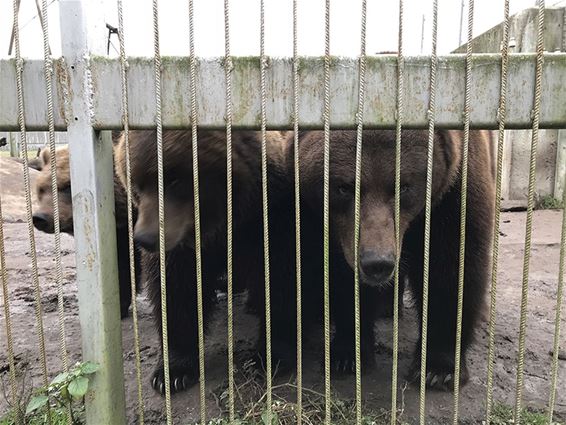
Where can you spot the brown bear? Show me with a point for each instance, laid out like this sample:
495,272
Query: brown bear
180,227
43,218
377,244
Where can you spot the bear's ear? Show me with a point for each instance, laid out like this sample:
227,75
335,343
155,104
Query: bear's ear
44,156
116,135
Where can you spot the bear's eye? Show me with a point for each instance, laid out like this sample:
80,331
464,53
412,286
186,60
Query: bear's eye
66,191
345,191
404,188
41,191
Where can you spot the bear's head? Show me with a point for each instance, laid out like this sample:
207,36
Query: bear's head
178,200
377,242
43,217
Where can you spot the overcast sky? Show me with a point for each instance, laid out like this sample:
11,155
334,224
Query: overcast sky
382,26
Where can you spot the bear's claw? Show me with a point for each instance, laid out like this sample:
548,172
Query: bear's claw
181,377
343,359
440,375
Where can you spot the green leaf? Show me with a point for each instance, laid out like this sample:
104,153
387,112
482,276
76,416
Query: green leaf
78,386
36,402
89,367
265,418
59,379
65,392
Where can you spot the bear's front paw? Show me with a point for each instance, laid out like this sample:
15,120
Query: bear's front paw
343,358
182,375
439,371
283,356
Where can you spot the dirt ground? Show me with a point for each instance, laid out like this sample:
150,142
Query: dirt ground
376,386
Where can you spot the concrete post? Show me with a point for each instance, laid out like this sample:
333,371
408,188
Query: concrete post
82,35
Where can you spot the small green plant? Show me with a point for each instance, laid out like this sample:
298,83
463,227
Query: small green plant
65,394
548,202
503,415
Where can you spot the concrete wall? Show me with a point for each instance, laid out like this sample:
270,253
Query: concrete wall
35,139
552,143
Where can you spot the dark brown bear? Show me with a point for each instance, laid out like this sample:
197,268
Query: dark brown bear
377,244
180,227
43,218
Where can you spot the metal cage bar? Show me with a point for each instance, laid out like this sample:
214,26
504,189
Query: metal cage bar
536,116
400,99
463,211
130,210
501,116
432,80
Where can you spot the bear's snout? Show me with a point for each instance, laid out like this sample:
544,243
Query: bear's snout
376,268
43,222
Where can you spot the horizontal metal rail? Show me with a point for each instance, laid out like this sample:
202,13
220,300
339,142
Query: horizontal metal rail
379,110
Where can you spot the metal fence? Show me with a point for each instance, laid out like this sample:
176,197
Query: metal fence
78,93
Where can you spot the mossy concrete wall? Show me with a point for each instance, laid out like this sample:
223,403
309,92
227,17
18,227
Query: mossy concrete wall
552,143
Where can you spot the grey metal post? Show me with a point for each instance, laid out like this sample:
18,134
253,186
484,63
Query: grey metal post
82,35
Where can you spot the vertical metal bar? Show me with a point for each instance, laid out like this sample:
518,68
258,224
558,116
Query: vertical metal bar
42,14
559,302
161,206
48,60
93,215
129,200
326,207
530,207
8,319
297,218
263,67
12,36
198,255
228,66
428,209
27,190
398,128
357,196
463,207
502,112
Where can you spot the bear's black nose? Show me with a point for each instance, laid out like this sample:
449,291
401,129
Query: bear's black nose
375,267
149,241
43,222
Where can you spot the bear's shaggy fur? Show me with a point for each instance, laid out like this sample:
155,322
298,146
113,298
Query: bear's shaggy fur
377,243
179,229
43,218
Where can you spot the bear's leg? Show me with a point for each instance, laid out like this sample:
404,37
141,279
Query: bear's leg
283,317
343,348
283,341
181,317
124,280
443,289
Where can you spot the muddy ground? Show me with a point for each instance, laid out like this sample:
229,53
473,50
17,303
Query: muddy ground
376,386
